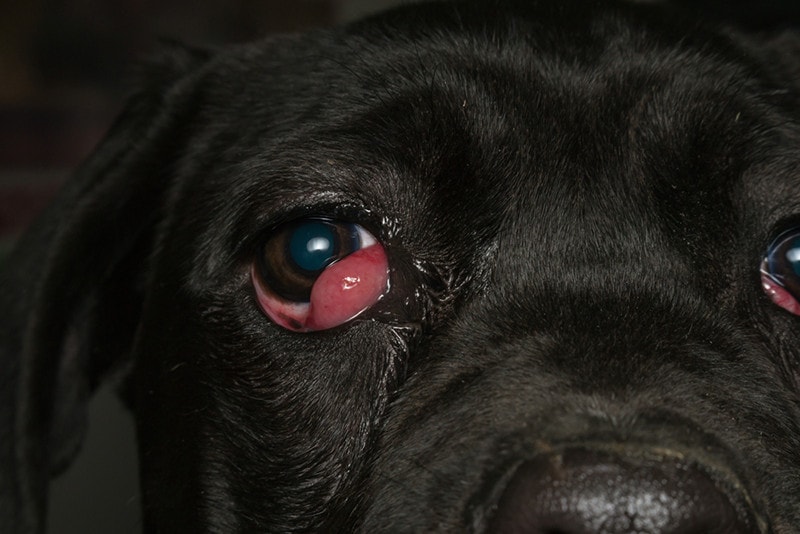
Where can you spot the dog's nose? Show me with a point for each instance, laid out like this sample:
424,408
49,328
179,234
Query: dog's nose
590,492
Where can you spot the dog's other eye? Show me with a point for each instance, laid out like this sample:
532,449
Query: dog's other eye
314,274
780,271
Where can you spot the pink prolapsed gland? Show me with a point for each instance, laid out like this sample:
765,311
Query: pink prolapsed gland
348,287
780,296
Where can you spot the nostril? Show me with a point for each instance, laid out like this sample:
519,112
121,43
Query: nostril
593,492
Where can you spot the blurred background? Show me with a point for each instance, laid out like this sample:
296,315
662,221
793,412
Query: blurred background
64,71
64,74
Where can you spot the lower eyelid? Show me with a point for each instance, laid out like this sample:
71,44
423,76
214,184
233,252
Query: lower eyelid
779,295
289,315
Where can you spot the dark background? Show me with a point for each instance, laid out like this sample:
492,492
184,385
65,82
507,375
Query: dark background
65,67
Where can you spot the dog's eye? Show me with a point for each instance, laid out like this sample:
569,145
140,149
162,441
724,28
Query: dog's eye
314,274
780,271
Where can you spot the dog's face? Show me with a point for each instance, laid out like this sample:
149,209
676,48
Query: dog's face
455,268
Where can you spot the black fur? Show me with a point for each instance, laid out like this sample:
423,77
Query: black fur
574,197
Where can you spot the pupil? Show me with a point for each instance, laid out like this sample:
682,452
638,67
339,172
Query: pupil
313,246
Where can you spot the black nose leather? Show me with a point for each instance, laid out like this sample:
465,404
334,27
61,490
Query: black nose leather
591,492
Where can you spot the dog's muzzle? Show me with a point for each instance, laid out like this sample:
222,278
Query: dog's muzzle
588,491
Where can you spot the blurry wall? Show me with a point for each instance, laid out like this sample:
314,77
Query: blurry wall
64,68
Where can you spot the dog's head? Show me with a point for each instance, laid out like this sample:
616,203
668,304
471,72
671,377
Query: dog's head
549,264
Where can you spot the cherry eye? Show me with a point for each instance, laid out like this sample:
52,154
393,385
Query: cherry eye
314,274
780,271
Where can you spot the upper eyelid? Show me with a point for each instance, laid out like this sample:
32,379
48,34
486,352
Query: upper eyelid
261,228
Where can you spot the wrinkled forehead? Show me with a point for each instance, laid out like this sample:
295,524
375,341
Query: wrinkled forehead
412,96
548,125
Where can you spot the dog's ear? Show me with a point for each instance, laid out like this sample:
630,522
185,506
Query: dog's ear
70,295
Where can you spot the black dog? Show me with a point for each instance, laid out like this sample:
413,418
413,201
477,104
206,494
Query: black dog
459,267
